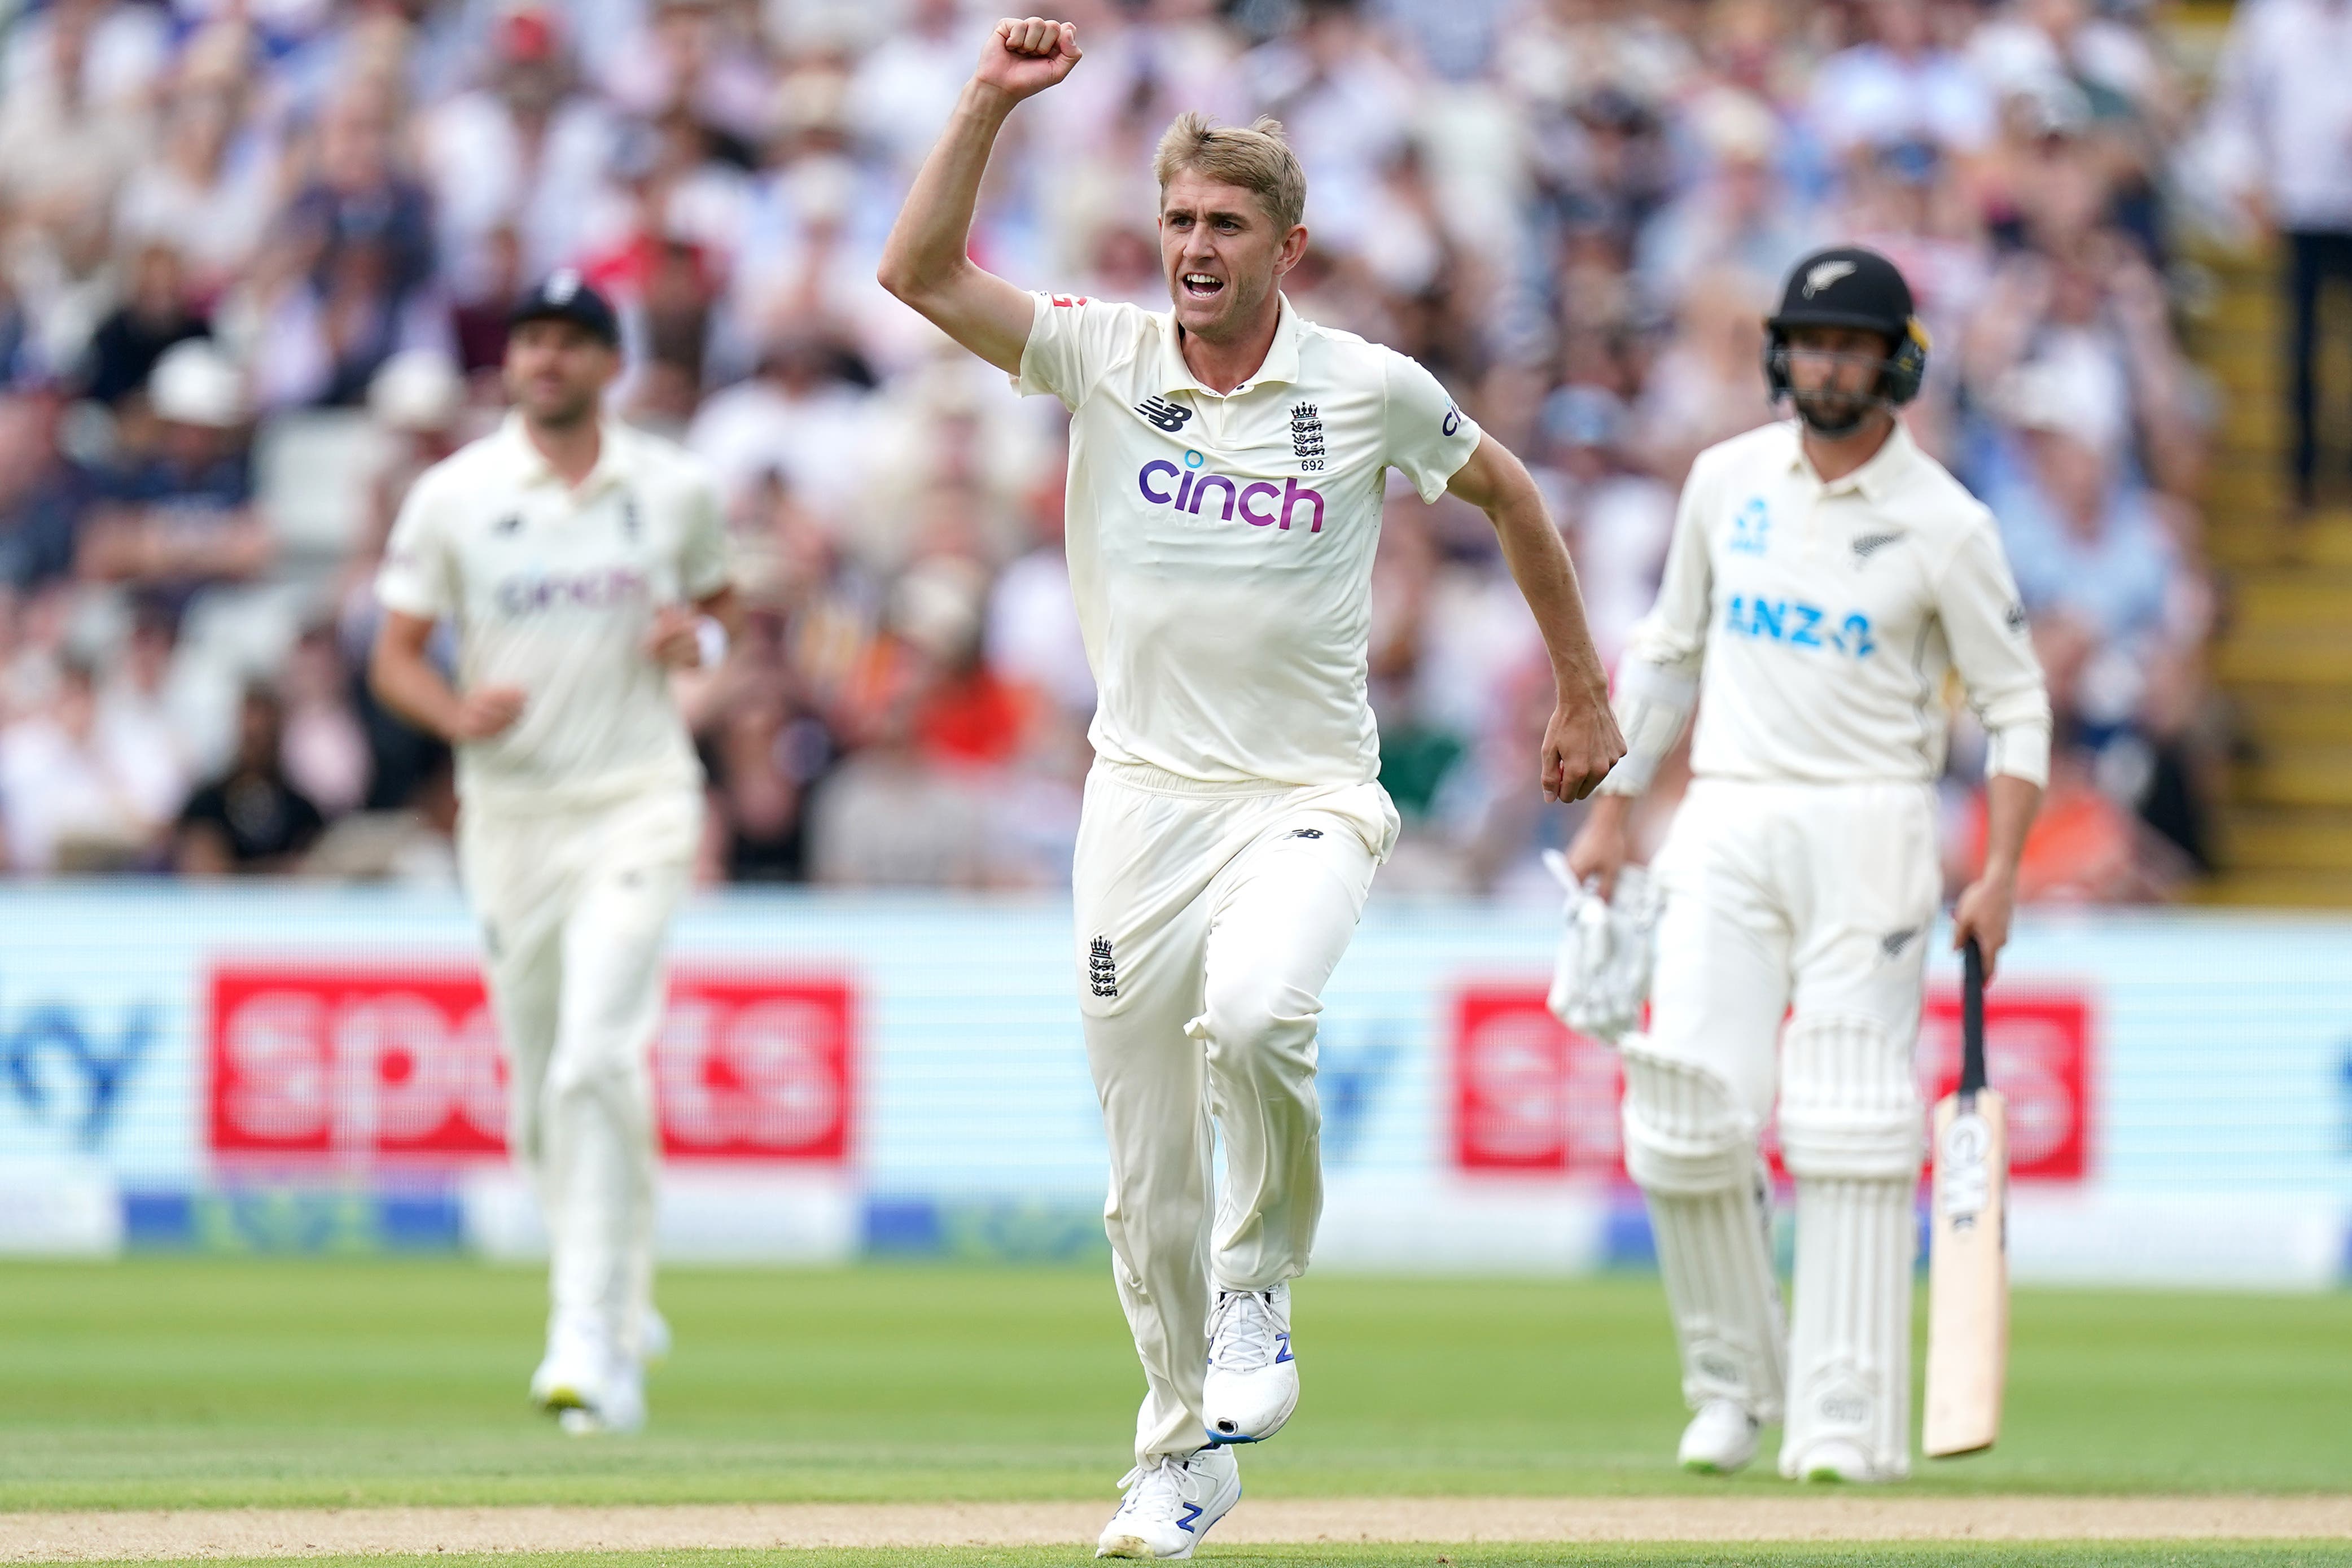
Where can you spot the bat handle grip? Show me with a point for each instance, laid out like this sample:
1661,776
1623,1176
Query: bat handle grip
1972,1046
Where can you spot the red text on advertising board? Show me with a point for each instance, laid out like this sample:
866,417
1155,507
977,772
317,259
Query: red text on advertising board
1530,1096
332,1061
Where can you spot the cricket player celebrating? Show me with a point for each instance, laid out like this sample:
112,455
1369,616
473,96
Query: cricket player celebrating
1824,580
581,562
1227,462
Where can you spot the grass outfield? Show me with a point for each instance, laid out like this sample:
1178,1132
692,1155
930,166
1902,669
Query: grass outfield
167,1383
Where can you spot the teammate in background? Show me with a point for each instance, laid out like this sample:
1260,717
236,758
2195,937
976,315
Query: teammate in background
1825,578
1227,462
581,562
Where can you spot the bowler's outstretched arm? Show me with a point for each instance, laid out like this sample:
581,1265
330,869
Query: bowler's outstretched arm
925,262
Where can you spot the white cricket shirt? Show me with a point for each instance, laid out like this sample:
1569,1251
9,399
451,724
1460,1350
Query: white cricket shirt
1823,620
552,589
1221,545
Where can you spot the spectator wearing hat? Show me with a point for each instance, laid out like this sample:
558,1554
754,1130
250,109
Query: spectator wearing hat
524,153
179,515
157,314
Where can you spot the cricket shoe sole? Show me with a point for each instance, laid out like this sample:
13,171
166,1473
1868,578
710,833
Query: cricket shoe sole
1252,1385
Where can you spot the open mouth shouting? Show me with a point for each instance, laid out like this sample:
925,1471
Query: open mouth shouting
1201,285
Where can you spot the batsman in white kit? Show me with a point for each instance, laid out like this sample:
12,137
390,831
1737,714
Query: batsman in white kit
1825,580
1227,466
579,562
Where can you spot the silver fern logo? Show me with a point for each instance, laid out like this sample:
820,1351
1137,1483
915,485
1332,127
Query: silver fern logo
1827,273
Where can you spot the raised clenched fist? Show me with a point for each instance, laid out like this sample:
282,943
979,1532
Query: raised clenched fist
1025,56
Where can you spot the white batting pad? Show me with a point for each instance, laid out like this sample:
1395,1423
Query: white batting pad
1716,1255
1684,1131
1850,1350
1849,1103
1694,1155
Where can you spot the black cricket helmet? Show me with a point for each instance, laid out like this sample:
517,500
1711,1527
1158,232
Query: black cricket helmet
1849,285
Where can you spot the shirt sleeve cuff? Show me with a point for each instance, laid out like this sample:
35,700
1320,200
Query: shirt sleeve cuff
408,599
1433,480
2021,751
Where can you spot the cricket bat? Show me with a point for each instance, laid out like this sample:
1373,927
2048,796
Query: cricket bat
1968,1278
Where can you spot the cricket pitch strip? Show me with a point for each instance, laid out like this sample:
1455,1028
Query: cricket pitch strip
180,1534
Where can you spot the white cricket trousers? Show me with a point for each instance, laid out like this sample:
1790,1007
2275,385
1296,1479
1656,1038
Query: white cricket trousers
1209,918
575,905
1812,902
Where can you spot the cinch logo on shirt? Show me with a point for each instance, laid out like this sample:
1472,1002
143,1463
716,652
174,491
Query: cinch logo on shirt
589,591
1797,623
1191,490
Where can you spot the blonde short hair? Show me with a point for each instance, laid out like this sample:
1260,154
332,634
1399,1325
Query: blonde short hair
1258,160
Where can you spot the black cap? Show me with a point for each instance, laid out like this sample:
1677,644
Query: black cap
565,296
1845,286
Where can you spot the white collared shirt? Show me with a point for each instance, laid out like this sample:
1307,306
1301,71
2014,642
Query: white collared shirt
1221,546
1823,620
552,589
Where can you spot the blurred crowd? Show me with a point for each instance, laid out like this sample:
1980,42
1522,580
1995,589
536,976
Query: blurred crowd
255,257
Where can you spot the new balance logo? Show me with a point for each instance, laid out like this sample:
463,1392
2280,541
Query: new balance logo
1304,833
510,523
1286,1355
1870,544
1894,941
1168,415
1102,968
1192,1511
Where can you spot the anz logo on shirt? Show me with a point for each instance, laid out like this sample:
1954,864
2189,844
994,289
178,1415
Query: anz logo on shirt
1799,625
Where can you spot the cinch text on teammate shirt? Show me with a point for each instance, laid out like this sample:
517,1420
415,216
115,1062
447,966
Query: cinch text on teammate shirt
524,596
1799,625
1262,503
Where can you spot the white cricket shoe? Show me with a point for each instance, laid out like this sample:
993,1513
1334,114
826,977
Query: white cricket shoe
1835,1459
1171,1503
617,1407
1720,1439
1253,1381
589,1385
